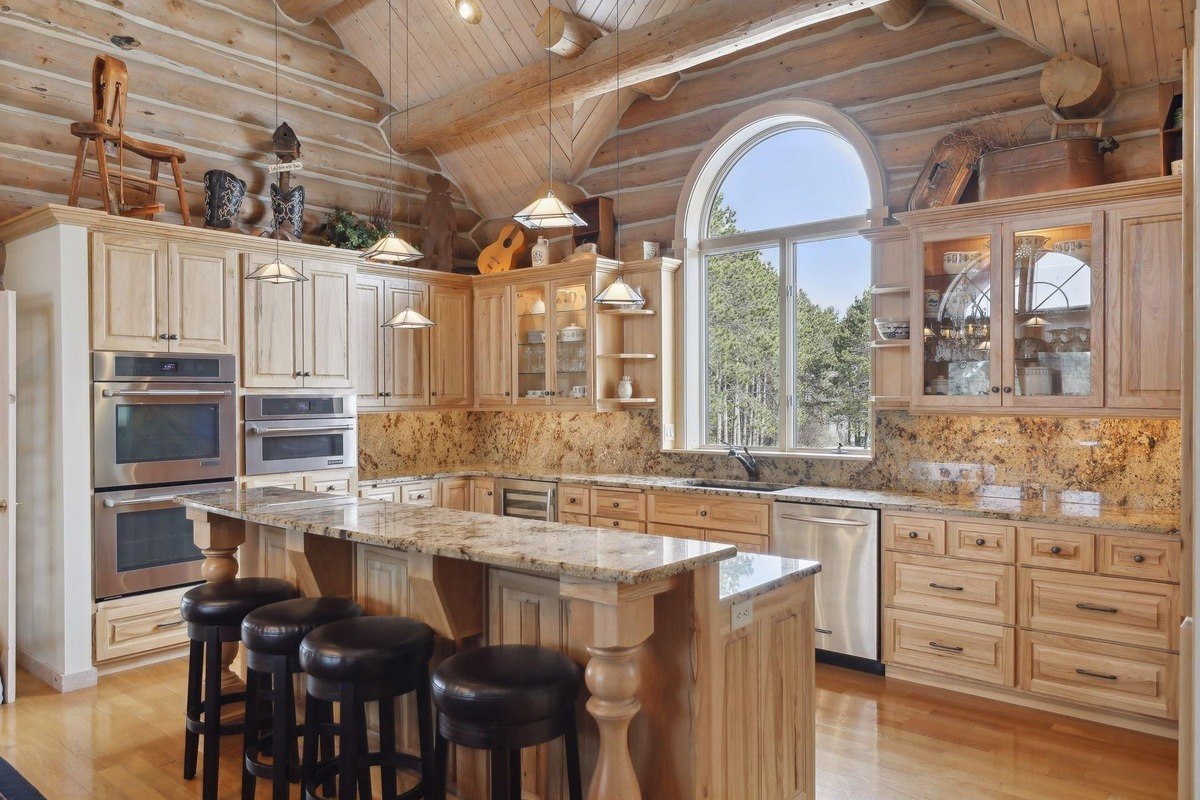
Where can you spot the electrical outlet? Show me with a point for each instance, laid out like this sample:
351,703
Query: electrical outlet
741,615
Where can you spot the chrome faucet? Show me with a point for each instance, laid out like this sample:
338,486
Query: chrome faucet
746,459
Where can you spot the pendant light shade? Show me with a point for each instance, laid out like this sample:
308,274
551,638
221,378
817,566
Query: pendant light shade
469,11
391,249
548,212
276,271
619,294
409,319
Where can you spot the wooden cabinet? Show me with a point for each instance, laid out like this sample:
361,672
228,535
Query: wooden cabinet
1109,609
151,295
299,335
455,493
413,493
915,534
716,513
483,495
967,589
450,347
138,625
972,650
493,346
618,504
1056,549
370,306
575,500
406,350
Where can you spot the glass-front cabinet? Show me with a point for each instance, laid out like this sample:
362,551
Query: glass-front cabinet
1011,315
554,348
532,309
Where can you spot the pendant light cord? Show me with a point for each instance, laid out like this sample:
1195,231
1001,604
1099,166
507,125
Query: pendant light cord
617,199
278,256
407,118
549,108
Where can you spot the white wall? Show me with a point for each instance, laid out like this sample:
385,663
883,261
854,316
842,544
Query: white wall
49,272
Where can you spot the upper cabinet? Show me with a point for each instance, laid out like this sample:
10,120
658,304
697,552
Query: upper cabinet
1070,303
450,346
151,295
493,345
298,335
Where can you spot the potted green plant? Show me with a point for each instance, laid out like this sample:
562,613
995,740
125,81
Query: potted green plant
346,230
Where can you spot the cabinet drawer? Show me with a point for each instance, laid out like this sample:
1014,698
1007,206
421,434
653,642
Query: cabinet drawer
981,541
915,535
618,504
332,486
574,519
124,628
619,524
973,650
1111,609
744,542
389,493
678,531
1104,675
951,586
1131,557
423,493
1073,550
575,499
702,511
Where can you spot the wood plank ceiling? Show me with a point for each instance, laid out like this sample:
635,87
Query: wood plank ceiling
500,169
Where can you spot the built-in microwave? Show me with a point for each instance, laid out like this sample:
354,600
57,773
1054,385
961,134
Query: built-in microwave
160,419
294,433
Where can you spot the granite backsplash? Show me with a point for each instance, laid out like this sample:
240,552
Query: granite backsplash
1115,461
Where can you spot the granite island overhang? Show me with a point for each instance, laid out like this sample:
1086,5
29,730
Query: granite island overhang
699,660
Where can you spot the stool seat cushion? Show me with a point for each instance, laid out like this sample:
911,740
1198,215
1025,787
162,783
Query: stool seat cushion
278,628
506,685
228,602
366,649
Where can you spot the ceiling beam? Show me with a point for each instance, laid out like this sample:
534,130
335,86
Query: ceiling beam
676,42
306,11
974,9
564,33
897,15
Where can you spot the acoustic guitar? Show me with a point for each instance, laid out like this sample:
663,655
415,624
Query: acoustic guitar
500,254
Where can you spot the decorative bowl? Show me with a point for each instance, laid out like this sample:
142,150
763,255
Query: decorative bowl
572,333
892,327
536,337
957,261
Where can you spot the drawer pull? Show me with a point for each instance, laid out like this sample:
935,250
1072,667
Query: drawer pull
616,524
1094,607
173,624
616,503
946,647
1139,558
912,534
979,542
823,630
704,513
944,586
1056,550
1091,674
572,500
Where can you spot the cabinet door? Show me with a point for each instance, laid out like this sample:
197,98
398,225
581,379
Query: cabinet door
954,338
572,347
129,293
369,302
455,493
328,356
202,308
450,346
406,351
535,344
1145,307
483,495
273,559
493,347
271,328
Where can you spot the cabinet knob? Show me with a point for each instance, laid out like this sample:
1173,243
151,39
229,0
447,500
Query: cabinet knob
308,374
1056,550
616,524
616,503
979,542
434,394
1139,558
174,337
1008,390
489,493
995,390
299,375
162,336
704,513
912,534
573,500
383,394
506,394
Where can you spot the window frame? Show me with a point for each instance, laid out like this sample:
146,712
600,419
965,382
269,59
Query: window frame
703,184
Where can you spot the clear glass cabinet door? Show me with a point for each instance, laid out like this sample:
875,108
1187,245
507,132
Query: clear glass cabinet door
572,343
959,301
532,309
1056,328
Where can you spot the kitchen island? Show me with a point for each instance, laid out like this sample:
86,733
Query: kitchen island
699,660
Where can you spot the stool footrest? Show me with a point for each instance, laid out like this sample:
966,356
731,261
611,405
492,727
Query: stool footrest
324,771
194,720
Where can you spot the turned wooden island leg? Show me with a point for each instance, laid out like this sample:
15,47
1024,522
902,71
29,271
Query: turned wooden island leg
218,538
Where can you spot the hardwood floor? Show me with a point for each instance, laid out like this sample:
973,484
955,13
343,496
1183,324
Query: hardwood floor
877,740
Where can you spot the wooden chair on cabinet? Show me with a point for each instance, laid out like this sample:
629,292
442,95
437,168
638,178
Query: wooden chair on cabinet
105,132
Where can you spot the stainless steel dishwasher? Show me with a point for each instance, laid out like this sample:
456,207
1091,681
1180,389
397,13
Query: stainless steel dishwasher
846,542
527,499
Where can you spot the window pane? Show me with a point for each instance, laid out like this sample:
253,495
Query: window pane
742,321
772,184
833,336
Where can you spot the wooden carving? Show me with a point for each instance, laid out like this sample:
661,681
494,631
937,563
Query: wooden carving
946,173
500,255
437,218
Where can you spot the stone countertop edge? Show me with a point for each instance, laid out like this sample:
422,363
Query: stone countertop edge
1087,515
590,553
748,575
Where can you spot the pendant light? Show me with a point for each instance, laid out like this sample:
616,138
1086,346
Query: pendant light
277,271
391,249
469,11
549,211
618,294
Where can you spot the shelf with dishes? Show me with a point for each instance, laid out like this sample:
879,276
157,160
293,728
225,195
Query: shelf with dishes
629,356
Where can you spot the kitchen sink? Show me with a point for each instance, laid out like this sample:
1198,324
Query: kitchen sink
752,486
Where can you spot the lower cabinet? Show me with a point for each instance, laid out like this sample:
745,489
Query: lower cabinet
968,649
138,625
483,495
455,493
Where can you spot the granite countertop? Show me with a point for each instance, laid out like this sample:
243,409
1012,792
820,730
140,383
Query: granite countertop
748,575
996,505
550,547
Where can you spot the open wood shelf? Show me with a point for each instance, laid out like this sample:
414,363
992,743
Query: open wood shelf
629,356
891,343
891,288
627,312
632,401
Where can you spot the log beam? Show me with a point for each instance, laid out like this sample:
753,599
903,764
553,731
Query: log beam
897,15
659,88
1075,88
673,43
306,11
564,33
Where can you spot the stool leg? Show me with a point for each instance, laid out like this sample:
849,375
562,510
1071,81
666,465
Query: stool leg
501,783
364,772
327,754
77,175
212,712
250,736
281,700
441,757
430,775
184,211
106,192
312,727
574,774
191,741
514,774
349,740
152,190
387,746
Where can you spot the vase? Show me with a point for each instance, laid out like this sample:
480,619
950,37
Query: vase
625,388
539,254
223,193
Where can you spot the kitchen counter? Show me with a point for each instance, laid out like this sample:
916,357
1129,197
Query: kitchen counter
997,504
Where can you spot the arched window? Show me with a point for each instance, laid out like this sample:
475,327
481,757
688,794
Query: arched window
777,285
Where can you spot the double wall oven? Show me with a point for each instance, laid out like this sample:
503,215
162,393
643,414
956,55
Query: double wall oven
162,425
298,433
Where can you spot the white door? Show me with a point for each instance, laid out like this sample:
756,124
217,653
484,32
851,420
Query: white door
8,486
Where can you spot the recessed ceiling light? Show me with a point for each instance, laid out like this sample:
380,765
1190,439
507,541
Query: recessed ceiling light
469,11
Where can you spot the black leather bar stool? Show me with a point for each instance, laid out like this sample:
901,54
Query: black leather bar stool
214,614
272,636
354,662
504,698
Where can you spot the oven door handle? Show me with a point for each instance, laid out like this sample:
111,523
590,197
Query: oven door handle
138,501
166,393
260,430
